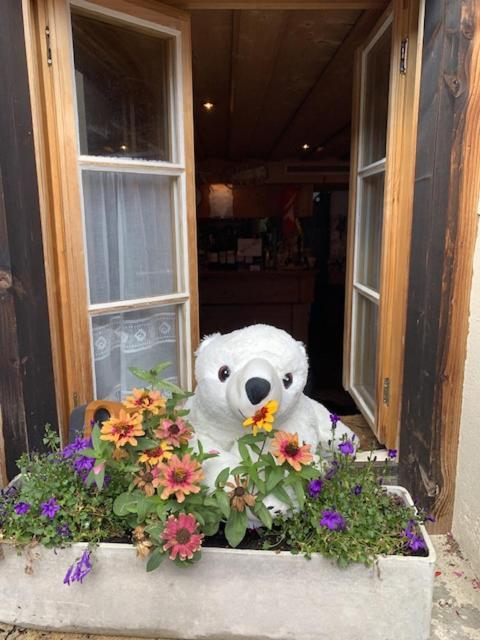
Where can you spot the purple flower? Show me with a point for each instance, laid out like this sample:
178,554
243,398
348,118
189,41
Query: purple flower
64,530
332,520
332,471
380,481
83,463
49,508
346,448
79,569
392,453
21,508
334,419
357,489
414,542
315,488
76,446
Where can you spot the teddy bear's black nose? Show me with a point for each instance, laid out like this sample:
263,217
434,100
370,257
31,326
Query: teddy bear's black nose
257,389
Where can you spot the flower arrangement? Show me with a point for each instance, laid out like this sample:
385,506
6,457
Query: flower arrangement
140,476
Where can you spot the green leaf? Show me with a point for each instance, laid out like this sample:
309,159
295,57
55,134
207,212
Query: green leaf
297,485
274,476
142,508
263,513
97,443
155,559
244,452
89,453
236,527
141,374
242,469
168,386
211,528
155,530
309,473
157,370
280,493
144,444
223,502
99,477
123,503
222,477
256,478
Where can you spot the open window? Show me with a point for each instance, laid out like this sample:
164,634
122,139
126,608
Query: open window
116,84
384,124
111,84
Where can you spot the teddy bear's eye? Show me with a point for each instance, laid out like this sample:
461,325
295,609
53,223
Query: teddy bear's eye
223,373
287,380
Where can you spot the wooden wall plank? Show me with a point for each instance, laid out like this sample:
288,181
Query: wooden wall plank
28,397
443,237
27,391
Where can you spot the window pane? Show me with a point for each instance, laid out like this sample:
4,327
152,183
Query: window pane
121,77
140,338
375,109
129,233
369,247
365,345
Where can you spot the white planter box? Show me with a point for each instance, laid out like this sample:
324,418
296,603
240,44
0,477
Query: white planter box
229,594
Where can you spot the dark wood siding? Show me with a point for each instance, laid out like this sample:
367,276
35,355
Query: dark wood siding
27,395
431,395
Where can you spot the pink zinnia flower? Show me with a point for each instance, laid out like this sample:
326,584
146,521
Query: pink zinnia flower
174,433
181,537
180,477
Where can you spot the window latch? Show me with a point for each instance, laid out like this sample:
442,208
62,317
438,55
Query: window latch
49,49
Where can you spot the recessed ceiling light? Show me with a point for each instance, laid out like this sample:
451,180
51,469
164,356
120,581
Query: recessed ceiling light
208,106
123,147
305,147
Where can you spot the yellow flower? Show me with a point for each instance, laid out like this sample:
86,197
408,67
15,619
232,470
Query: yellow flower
263,418
145,400
156,455
123,430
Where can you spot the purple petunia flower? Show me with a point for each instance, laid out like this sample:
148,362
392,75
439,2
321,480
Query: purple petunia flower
21,508
64,530
49,508
392,453
357,489
76,446
346,448
332,520
315,488
83,464
79,569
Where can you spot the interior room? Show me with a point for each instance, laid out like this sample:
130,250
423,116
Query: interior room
272,114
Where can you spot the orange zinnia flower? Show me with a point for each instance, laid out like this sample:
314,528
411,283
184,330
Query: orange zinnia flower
285,448
123,430
180,476
263,418
154,456
175,433
145,400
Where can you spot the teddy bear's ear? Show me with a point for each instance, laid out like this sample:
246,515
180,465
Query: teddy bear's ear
205,341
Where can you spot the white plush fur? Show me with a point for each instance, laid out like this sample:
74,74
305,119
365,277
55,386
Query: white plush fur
218,409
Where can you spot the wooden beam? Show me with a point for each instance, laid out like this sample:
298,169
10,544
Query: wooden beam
322,5
327,105
260,39
447,186
27,384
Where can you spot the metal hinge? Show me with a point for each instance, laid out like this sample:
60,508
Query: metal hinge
403,55
386,391
49,49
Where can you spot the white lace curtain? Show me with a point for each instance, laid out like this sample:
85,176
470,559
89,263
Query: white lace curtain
130,251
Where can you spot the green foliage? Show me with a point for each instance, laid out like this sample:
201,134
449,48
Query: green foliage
375,520
84,515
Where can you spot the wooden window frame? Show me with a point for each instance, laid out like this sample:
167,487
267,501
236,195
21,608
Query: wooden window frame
54,118
397,214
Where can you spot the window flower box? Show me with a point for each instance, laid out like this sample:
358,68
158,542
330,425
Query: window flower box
231,593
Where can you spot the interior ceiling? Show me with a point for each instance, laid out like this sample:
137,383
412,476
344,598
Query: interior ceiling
278,79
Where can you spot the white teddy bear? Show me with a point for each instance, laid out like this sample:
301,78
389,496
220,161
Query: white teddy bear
238,373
